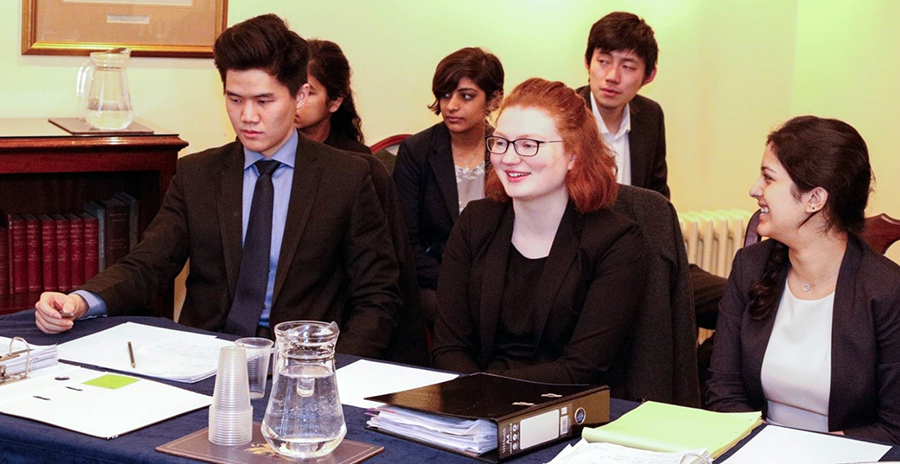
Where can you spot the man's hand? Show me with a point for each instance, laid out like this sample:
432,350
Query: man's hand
56,312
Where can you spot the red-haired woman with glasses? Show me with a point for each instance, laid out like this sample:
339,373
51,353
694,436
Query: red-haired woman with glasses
542,280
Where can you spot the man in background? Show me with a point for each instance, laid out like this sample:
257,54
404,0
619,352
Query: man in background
620,59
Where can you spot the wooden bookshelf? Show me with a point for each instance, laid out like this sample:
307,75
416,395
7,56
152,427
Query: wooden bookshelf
46,170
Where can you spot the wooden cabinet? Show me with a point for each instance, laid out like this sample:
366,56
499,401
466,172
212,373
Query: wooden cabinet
45,170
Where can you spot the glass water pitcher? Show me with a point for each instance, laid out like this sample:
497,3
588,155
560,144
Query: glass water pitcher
103,90
304,418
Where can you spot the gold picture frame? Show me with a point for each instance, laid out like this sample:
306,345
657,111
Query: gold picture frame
166,28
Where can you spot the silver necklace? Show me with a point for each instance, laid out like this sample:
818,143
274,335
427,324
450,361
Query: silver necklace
808,286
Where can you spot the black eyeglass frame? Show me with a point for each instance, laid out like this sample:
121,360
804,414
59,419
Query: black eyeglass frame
515,145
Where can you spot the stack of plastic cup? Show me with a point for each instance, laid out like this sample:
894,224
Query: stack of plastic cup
231,416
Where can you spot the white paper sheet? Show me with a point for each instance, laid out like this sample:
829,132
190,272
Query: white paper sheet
608,453
369,378
159,353
775,445
59,396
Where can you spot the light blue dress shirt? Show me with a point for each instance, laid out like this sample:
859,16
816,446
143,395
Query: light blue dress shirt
282,180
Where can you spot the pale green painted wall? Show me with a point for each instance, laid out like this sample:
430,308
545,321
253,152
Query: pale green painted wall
847,67
729,72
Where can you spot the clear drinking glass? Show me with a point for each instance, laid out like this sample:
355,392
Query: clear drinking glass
304,418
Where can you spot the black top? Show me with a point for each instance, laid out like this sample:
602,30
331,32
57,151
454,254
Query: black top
346,144
515,332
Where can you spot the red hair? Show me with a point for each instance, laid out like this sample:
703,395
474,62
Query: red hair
592,180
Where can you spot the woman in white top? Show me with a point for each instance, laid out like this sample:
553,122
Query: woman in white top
809,327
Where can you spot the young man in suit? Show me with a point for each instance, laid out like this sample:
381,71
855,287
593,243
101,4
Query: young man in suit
276,227
620,59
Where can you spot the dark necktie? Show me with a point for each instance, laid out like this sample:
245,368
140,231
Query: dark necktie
250,294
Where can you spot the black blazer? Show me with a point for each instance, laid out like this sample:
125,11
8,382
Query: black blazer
409,344
426,180
646,141
865,343
585,306
346,144
663,364
337,262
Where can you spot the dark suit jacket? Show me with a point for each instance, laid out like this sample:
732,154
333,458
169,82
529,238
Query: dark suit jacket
865,343
426,180
346,144
646,141
663,364
336,262
585,306
409,344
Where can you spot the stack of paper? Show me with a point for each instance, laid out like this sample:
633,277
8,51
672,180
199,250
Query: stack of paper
474,436
37,358
365,378
608,453
781,445
95,403
159,353
669,428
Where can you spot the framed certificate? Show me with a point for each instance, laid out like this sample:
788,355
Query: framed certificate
172,28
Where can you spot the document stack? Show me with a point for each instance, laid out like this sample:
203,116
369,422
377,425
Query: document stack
476,436
18,358
149,351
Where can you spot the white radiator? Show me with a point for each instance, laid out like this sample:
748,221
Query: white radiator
713,237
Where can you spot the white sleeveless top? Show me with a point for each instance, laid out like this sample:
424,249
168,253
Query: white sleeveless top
796,369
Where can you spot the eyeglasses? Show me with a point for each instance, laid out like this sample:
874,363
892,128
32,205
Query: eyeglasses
523,147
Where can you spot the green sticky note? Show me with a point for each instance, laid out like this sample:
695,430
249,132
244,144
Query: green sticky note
111,381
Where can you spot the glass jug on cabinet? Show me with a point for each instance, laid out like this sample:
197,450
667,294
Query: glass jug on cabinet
304,418
103,89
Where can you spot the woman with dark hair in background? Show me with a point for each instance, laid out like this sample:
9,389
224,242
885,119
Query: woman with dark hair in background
543,280
441,169
329,115
809,327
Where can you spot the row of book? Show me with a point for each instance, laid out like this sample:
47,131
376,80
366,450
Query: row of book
59,252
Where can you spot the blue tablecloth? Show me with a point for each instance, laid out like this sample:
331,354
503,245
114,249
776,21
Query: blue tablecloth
32,442
27,441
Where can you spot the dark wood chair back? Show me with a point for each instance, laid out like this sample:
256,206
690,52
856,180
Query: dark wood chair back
881,232
390,144
751,236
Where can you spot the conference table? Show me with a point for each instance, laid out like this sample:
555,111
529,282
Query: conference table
23,440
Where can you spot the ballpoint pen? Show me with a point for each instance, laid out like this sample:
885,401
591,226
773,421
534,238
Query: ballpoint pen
131,354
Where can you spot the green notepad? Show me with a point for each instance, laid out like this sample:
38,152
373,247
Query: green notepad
668,428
